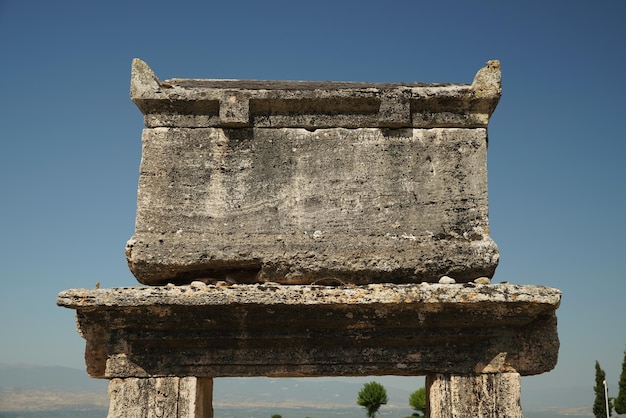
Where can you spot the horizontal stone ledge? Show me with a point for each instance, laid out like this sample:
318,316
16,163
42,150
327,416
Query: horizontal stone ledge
307,104
274,330
536,299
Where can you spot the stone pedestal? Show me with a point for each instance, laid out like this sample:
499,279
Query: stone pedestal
167,397
493,395
312,330
479,336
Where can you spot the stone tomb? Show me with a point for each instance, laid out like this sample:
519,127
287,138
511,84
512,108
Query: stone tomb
300,229
297,182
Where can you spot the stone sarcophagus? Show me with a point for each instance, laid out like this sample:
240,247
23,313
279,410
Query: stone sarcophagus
307,182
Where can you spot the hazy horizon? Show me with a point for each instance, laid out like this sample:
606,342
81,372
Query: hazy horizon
37,386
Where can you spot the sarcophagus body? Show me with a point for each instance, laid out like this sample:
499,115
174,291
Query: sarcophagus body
312,182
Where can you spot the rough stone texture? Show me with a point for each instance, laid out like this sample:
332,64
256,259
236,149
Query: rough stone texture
297,182
276,330
478,396
168,397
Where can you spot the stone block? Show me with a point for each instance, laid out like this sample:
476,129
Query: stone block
303,182
311,330
491,395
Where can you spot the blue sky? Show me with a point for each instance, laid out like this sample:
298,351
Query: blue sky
70,138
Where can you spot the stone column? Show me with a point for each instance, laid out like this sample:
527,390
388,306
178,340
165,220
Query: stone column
168,397
493,395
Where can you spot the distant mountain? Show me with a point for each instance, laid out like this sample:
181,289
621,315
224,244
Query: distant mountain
23,376
574,398
40,388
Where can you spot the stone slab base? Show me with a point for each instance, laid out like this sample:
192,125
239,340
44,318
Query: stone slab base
298,182
296,331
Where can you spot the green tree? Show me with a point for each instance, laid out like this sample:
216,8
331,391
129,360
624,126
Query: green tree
620,401
371,397
599,403
417,401
277,416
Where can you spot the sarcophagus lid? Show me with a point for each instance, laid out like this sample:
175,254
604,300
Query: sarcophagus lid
312,182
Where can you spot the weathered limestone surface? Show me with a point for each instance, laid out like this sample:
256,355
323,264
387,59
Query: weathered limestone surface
297,182
493,395
311,330
167,397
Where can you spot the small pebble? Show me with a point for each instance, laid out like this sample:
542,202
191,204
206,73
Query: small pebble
447,280
270,284
482,280
223,283
197,285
